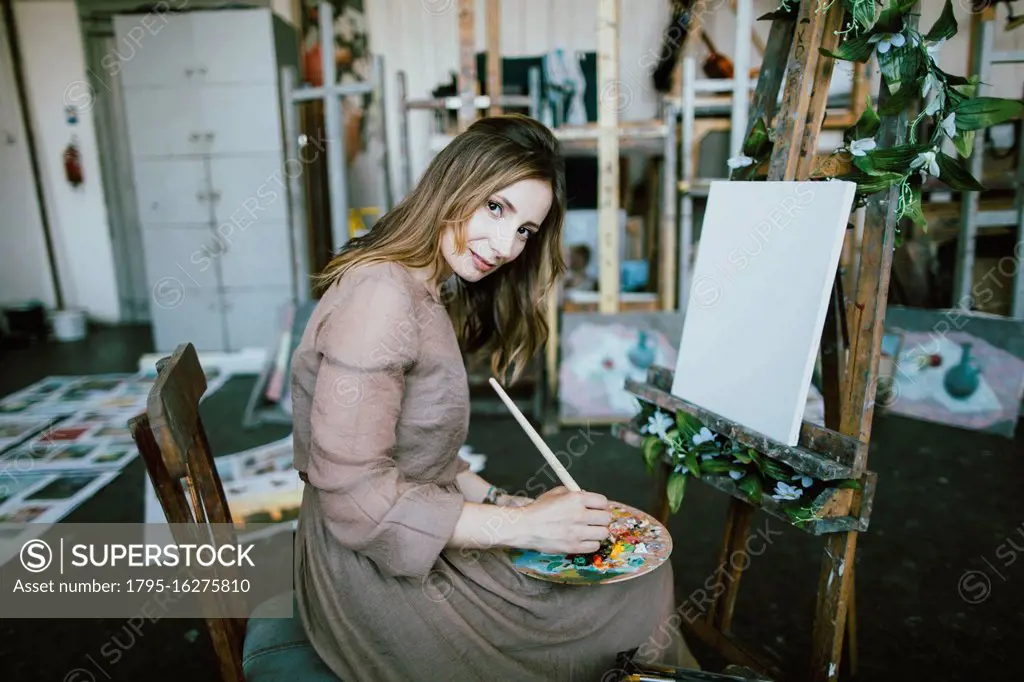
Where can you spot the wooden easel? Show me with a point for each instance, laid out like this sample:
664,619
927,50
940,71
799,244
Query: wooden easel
839,449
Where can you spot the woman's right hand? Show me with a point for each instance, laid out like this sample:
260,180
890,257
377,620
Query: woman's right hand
565,522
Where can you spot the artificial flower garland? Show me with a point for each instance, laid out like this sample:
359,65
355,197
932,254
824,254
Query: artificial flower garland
910,72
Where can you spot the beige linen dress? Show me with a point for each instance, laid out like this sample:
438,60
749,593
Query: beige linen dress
381,406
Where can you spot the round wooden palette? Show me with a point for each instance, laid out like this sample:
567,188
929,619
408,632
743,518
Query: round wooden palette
639,544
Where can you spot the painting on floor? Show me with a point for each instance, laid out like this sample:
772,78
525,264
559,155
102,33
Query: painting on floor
954,367
600,351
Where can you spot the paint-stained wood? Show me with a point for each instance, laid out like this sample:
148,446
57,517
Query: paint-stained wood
814,437
833,346
769,80
494,80
467,64
820,466
733,560
609,103
833,506
818,103
792,120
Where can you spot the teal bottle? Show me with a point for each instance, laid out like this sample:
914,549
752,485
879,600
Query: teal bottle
642,354
962,379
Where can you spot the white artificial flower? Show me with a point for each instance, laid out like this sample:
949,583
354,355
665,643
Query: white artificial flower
926,162
703,436
927,85
948,125
736,475
934,49
884,41
658,424
805,480
740,161
862,147
784,491
681,469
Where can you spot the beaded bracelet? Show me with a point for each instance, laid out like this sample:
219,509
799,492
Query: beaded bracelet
492,495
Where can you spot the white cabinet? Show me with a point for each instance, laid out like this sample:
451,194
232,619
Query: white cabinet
204,126
153,51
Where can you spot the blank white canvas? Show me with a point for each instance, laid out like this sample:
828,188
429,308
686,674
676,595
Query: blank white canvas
761,286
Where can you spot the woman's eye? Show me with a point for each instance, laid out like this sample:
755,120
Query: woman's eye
524,232
494,207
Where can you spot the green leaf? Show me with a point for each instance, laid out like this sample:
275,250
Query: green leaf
950,78
898,102
964,142
849,484
757,144
751,486
691,463
953,173
944,27
652,448
958,93
914,211
788,11
862,11
676,488
901,67
870,184
714,466
687,423
866,126
742,455
890,159
982,112
780,472
890,20
856,49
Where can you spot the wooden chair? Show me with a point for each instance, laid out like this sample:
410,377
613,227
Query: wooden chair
171,439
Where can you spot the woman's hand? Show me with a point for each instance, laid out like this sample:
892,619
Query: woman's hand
564,522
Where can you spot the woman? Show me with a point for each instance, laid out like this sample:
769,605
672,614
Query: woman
401,572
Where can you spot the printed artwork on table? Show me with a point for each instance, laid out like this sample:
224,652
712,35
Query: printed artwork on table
13,430
40,498
601,351
954,367
638,545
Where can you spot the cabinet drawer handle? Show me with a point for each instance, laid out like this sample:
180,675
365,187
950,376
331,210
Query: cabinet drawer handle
201,196
215,195
188,72
194,137
209,137
202,69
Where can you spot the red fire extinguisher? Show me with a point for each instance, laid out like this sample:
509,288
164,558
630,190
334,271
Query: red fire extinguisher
73,164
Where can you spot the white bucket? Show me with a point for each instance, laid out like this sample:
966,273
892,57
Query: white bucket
69,325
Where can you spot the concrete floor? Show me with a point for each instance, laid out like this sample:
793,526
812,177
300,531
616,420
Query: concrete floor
947,503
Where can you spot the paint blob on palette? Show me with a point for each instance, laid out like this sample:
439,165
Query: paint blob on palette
638,545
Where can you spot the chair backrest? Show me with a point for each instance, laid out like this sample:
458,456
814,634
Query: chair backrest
172,441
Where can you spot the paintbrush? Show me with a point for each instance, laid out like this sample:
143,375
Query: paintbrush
560,470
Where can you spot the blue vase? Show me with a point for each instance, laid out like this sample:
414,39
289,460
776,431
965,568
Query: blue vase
962,379
642,354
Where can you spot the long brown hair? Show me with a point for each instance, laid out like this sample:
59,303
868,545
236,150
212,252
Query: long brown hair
502,314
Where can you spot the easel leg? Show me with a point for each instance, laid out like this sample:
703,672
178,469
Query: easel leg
732,561
851,626
834,593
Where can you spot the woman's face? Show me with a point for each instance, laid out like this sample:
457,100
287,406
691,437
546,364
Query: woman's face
498,231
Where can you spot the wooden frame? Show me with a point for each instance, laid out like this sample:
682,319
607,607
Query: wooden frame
840,449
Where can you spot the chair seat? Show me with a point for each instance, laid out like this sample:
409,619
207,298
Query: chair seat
277,649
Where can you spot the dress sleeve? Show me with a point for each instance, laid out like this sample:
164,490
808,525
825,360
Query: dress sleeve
368,343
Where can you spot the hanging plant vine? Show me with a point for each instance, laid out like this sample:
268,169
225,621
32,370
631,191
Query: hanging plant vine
910,73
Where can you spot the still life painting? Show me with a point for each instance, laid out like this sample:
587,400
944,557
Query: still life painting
638,544
601,351
957,379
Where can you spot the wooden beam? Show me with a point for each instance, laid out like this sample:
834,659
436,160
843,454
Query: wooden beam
468,89
773,68
608,154
818,102
494,80
803,60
